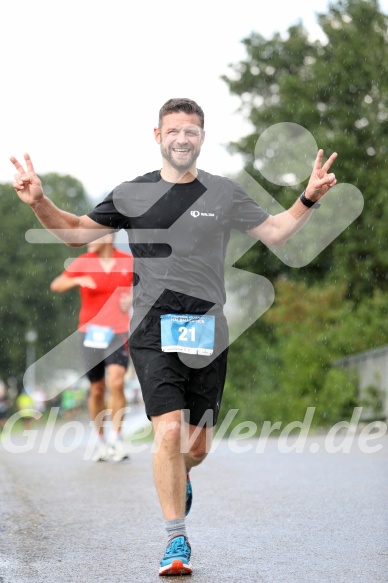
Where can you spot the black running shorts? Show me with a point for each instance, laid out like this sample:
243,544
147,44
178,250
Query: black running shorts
96,359
168,384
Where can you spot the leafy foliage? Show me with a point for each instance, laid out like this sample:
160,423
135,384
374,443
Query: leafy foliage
338,90
284,363
337,305
27,269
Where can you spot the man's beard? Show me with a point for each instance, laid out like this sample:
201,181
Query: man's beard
181,165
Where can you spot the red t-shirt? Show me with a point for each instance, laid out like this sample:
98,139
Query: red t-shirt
100,306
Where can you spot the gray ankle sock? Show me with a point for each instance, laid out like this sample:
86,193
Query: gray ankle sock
175,527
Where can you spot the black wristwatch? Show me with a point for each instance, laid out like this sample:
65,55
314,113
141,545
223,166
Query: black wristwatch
307,202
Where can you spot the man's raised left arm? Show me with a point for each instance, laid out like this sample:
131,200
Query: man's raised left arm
277,229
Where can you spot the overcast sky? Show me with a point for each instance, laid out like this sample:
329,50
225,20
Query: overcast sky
83,80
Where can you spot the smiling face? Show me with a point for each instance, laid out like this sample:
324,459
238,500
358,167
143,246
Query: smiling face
180,137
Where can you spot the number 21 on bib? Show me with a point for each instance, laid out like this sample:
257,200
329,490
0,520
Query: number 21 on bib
187,333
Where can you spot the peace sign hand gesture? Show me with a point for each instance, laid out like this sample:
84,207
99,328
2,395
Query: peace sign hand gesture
320,181
27,184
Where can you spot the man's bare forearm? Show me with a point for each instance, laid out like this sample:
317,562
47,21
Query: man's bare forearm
52,217
73,230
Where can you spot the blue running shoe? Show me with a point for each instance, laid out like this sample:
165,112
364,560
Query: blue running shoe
176,560
189,495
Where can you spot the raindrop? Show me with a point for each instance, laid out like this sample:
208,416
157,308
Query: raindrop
309,60
336,24
361,123
289,178
270,70
258,101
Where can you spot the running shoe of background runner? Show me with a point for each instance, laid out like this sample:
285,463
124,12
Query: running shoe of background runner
100,454
117,451
176,560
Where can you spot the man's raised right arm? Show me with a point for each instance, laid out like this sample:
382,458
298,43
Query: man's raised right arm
71,229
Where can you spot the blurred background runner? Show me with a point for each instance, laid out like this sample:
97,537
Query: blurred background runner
104,276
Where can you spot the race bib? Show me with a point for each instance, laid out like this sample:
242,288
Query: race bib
98,336
187,333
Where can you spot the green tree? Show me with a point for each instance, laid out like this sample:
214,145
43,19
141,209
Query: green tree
338,90
27,270
284,363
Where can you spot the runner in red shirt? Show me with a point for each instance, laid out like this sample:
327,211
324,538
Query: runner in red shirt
104,276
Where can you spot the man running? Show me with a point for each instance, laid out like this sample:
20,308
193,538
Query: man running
104,278
178,221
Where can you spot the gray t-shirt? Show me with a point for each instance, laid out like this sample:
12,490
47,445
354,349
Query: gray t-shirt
178,235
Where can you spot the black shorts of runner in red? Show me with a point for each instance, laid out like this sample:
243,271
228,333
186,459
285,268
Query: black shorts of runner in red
97,359
167,380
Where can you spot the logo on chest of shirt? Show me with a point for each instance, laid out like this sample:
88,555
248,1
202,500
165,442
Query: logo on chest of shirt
196,214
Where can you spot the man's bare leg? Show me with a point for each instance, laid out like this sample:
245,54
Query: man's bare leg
96,404
174,454
97,408
196,445
169,464
173,457
116,402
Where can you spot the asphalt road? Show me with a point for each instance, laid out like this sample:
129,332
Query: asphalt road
271,516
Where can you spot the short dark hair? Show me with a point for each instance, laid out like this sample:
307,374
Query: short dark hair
181,104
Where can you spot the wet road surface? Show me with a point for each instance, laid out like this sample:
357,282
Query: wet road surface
262,515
